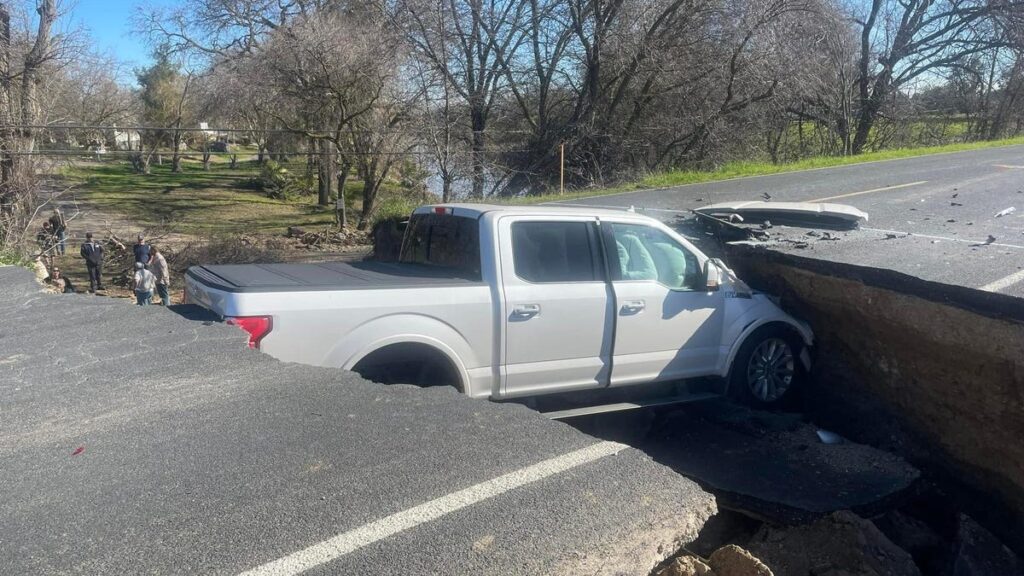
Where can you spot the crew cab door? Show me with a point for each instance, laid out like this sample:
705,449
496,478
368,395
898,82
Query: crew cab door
558,313
668,326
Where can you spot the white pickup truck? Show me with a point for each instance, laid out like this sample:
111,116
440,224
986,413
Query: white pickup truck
506,302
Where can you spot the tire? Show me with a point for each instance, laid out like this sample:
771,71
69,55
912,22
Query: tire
767,369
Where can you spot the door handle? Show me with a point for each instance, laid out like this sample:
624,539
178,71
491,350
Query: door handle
633,306
526,311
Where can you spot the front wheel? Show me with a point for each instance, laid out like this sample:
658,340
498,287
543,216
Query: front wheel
767,368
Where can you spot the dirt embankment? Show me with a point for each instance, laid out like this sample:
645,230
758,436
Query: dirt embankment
931,371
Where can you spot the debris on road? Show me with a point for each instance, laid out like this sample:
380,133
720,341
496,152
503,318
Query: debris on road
766,196
1006,212
987,241
955,204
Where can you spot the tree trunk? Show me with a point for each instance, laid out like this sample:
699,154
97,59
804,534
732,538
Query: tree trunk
343,171
176,158
479,121
6,116
325,176
370,185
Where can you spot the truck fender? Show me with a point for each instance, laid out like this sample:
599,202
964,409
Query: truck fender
404,329
799,327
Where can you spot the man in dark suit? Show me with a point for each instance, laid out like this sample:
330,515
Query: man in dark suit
92,252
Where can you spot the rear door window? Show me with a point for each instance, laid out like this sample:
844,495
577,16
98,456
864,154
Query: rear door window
445,241
556,252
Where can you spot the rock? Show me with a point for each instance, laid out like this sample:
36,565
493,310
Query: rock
979,553
911,534
686,566
837,545
732,560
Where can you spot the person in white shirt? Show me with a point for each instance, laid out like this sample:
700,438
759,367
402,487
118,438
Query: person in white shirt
144,282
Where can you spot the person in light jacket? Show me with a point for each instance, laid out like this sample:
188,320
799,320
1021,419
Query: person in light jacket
158,265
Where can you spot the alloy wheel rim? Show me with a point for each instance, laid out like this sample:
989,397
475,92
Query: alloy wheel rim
771,369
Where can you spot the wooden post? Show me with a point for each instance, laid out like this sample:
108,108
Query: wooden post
561,170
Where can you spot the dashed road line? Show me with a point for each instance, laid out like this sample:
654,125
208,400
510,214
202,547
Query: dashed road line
1003,283
872,191
348,542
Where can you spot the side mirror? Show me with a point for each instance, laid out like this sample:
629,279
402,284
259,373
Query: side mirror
712,276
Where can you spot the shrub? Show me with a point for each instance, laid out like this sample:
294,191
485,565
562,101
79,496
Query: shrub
278,182
228,250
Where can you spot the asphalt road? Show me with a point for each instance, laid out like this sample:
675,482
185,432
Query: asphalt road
940,208
133,440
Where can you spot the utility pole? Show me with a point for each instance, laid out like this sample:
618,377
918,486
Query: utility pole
561,170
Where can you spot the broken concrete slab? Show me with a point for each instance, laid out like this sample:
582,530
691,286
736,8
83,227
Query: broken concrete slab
774,467
805,214
843,544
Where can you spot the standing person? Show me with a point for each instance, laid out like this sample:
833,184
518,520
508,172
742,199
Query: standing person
163,276
142,251
60,230
92,252
143,284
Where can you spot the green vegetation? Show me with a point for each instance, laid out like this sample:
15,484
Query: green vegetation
13,258
195,201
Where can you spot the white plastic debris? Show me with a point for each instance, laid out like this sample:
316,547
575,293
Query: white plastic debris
827,437
1006,212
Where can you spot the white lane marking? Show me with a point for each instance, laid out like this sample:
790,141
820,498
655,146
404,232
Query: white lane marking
931,237
872,191
1010,166
1004,282
353,540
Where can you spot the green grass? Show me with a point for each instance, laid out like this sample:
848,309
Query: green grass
194,201
734,170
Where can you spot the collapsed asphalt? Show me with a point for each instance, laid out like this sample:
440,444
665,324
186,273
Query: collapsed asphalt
135,440
930,216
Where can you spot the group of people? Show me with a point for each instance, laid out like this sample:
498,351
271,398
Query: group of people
151,273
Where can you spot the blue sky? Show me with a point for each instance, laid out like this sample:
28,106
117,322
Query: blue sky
109,24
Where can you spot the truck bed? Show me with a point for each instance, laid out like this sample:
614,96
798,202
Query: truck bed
369,275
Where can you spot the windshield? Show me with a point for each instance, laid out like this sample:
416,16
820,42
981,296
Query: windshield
443,240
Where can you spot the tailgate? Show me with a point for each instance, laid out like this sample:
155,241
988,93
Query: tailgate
204,288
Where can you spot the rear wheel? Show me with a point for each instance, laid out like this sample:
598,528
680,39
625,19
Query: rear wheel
416,364
767,368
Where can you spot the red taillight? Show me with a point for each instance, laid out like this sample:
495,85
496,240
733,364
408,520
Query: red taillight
442,210
257,327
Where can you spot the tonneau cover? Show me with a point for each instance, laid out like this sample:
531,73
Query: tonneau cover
325,276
